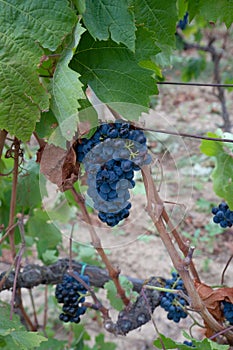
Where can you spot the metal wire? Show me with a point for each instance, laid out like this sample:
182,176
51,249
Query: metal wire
193,84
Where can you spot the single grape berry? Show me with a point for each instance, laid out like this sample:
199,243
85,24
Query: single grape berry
223,215
173,303
71,293
189,343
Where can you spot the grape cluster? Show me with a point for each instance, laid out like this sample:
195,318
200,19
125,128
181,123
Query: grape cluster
223,215
110,158
228,311
173,303
71,294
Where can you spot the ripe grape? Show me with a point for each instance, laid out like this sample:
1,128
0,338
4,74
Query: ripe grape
71,294
223,215
173,303
110,158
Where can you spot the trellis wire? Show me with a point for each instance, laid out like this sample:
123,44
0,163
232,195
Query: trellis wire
193,84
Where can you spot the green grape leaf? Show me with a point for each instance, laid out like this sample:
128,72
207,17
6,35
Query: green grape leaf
222,174
80,5
206,344
22,97
5,322
47,24
13,334
158,16
66,89
211,148
27,340
101,344
49,256
128,288
182,6
110,19
193,68
52,344
114,299
145,45
46,234
114,75
45,127
25,24
28,190
218,10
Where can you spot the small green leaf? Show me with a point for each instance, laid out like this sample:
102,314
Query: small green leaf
46,234
193,68
49,256
45,127
104,18
211,148
101,344
66,89
5,322
52,344
222,174
114,299
28,190
206,344
182,6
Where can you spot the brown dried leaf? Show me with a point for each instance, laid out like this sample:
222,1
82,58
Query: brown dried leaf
59,166
51,163
211,299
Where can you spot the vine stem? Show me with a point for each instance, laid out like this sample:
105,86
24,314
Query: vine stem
113,273
177,261
16,146
3,135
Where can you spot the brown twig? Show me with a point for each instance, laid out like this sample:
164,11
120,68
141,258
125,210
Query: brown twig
225,268
41,142
196,302
15,148
24,315
34,308
183,247
18,259
3,134
7,232
113,273
45,318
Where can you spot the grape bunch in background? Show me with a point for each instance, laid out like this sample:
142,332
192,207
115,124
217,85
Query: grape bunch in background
110,157
173,303
228,311
223,215
71,294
